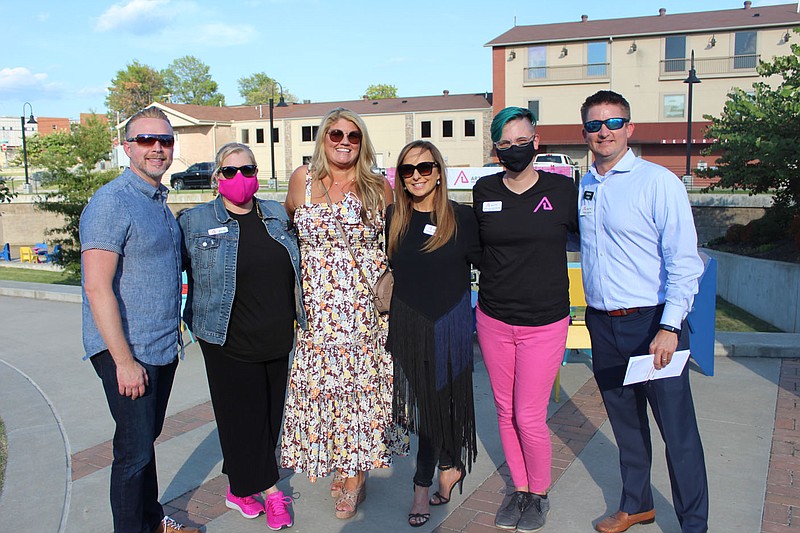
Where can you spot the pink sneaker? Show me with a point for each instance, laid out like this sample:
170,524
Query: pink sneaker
248,506
278,516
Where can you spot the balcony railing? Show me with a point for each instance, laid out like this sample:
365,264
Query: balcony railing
710,66
567,73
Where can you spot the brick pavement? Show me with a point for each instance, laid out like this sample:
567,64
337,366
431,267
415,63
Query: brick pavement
571,427
782,498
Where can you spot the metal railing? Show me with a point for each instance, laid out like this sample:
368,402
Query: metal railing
586,72
710,66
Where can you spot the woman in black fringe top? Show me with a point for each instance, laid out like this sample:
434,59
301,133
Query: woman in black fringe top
431,243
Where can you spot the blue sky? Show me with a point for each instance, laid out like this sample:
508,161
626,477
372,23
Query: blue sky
62,55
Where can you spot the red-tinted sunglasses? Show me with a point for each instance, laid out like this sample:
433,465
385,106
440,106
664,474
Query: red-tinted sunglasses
337,135
149,139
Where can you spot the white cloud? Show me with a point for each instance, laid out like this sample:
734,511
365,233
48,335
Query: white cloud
18,79
136,16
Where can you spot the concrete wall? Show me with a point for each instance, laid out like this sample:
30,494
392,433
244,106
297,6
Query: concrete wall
715,213
769,290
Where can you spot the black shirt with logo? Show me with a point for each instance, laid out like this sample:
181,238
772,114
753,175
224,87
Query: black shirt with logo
524,237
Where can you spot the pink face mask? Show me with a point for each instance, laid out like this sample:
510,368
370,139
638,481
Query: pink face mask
238,189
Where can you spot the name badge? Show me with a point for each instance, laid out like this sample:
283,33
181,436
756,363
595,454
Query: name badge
429,229
218,231
492,207
587,209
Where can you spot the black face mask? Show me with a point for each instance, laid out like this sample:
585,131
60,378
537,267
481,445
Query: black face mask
517,158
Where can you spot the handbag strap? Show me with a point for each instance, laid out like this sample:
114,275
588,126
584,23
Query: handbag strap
347,243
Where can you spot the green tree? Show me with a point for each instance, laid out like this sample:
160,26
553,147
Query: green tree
70,160
188,81
5,193
758,133
259,88
381,90
134,88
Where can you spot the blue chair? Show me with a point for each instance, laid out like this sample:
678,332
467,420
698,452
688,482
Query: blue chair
6,255
54,256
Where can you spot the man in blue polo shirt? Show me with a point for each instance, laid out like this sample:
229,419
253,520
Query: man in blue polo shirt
640,273
131,277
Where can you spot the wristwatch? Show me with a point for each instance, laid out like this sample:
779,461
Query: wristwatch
669,328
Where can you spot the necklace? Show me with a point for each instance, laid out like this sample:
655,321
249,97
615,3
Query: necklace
342,183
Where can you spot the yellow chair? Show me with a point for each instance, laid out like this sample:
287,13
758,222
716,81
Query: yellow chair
577,334
26,255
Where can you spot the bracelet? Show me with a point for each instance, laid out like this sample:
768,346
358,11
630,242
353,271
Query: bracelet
669,328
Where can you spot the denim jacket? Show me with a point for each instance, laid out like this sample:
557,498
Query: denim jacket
211,240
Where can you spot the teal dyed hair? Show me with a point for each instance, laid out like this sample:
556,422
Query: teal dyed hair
505,116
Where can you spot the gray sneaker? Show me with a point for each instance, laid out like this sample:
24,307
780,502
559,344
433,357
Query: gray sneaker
508,516
535,515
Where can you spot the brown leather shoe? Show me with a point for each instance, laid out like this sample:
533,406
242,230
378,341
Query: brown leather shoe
621,521
168,525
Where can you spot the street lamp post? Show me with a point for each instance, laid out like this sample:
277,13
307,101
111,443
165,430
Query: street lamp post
31,120
281,103
691,80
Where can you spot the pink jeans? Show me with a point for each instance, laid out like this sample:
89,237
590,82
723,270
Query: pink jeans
523,362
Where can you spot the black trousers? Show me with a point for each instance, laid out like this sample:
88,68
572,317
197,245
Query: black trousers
248,400
428,456
614,341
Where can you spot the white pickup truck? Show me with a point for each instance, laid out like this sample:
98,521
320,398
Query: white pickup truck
558,164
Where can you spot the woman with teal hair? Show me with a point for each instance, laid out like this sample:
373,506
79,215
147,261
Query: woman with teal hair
524,217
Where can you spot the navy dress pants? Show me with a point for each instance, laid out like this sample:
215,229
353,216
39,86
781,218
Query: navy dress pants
614,341
134,483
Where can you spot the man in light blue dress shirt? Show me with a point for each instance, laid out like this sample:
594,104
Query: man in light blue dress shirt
640,272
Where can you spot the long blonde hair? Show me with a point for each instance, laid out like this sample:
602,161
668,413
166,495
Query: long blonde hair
443,215
369,183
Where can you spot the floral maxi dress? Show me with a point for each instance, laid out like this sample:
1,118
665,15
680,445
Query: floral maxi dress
339,403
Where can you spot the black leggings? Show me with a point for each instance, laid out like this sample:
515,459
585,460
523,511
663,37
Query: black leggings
427,459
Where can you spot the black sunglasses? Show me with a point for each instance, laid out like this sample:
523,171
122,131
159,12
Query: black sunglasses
248,171
337,135
425,169
149,139
593,126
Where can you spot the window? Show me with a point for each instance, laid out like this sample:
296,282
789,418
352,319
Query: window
533,107
275,135
259,135
675,53
245,136
425,129
537,62
447,128
469,127
306,159
597,59
310,133
674,105
744,50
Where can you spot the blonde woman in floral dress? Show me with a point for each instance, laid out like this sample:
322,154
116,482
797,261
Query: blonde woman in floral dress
338,416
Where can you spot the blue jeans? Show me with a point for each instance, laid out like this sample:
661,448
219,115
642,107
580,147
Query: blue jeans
134,483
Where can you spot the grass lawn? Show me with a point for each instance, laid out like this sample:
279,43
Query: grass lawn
3,453
37,276
732,318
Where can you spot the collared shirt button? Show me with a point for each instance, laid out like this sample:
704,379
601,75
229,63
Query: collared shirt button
283,236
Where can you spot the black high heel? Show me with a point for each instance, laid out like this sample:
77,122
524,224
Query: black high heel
424,517
459,482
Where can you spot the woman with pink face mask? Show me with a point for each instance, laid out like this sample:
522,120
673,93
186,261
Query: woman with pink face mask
244,295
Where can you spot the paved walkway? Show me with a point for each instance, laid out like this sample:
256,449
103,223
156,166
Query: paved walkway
59,450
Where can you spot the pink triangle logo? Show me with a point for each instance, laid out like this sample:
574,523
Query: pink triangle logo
544,204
